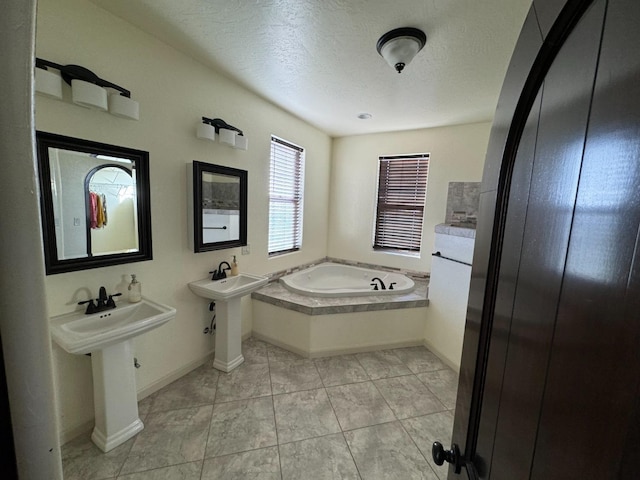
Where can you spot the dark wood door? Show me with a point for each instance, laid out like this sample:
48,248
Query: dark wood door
550,378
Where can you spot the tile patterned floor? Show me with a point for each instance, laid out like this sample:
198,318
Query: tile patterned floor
278,416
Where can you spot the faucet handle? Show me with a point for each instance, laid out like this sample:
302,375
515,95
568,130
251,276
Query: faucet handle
110,302
91,307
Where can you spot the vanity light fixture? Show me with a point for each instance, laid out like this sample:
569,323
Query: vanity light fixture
227,134
87,89
399,46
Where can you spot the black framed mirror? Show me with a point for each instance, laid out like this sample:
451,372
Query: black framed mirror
219,207
95,203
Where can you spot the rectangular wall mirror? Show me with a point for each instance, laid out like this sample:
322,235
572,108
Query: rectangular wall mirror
219,204
94,202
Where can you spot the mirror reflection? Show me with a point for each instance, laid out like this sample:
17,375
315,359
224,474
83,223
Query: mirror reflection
219,207
94,203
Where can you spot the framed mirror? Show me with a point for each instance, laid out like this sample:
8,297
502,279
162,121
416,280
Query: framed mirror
219,207
95,203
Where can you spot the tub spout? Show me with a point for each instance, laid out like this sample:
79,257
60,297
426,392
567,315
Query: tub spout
375,285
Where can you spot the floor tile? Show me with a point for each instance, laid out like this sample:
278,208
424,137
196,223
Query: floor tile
382,364
277,354
303,415
196,388
419,359
293,376
254,351
430,428
359,405
408,397
241,425
246,381
169,438
340,370
81,459
323,458
387,452
260,464
184,471
443,384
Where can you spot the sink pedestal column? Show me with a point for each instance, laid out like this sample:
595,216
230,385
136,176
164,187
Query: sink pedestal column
228,354
114,396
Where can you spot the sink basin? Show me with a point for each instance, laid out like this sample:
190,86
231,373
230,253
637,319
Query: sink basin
228,288
79,333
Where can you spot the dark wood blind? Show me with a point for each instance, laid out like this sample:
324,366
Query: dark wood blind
285,197
402,188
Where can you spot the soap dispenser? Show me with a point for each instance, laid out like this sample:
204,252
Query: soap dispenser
135,290
234,267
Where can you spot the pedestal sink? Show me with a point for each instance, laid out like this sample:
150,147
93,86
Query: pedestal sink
107,335
227,293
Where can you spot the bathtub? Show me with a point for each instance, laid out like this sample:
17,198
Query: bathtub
338,280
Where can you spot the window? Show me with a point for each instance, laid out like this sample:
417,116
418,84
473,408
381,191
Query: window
402,188
285,197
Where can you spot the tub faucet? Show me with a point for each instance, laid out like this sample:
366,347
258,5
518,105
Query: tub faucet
220,273
375,285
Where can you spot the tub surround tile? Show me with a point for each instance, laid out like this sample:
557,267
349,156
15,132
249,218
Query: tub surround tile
196,388
408,397
455,230
359,405
276,294
240,426
382,364
169,438
303,415
430,428
81,459
246,381
323,458
184,471
263,464
419,359
340,370
443,384
386,451
294,376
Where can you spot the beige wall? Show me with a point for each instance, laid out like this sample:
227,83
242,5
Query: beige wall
457,155
174,91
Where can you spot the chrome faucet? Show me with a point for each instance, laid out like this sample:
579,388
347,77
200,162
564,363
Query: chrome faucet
219,274
375,285
103,302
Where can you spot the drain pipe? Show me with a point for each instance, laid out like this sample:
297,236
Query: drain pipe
24,322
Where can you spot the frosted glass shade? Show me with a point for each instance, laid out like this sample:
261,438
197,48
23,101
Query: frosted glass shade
88,95
206,132
124,107
48,83
227,136
242,142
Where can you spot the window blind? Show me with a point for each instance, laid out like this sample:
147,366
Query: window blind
285,197
402,188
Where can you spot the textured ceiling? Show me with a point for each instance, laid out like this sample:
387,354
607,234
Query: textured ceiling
318,59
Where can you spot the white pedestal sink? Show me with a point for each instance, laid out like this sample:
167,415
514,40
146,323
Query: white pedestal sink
107,335
227,293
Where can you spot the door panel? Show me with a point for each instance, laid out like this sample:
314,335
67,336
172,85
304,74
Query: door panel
590,399
549,210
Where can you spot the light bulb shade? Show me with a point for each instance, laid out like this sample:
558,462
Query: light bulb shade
206,132
242,142
88,95
399,46
48,83
124,107
227,136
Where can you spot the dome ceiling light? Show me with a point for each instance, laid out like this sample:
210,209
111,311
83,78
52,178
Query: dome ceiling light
399,46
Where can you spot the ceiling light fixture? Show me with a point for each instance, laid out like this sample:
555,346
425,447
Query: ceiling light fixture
364,116
87,89
399,46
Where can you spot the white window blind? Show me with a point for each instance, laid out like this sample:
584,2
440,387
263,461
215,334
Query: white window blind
402,188
286,176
